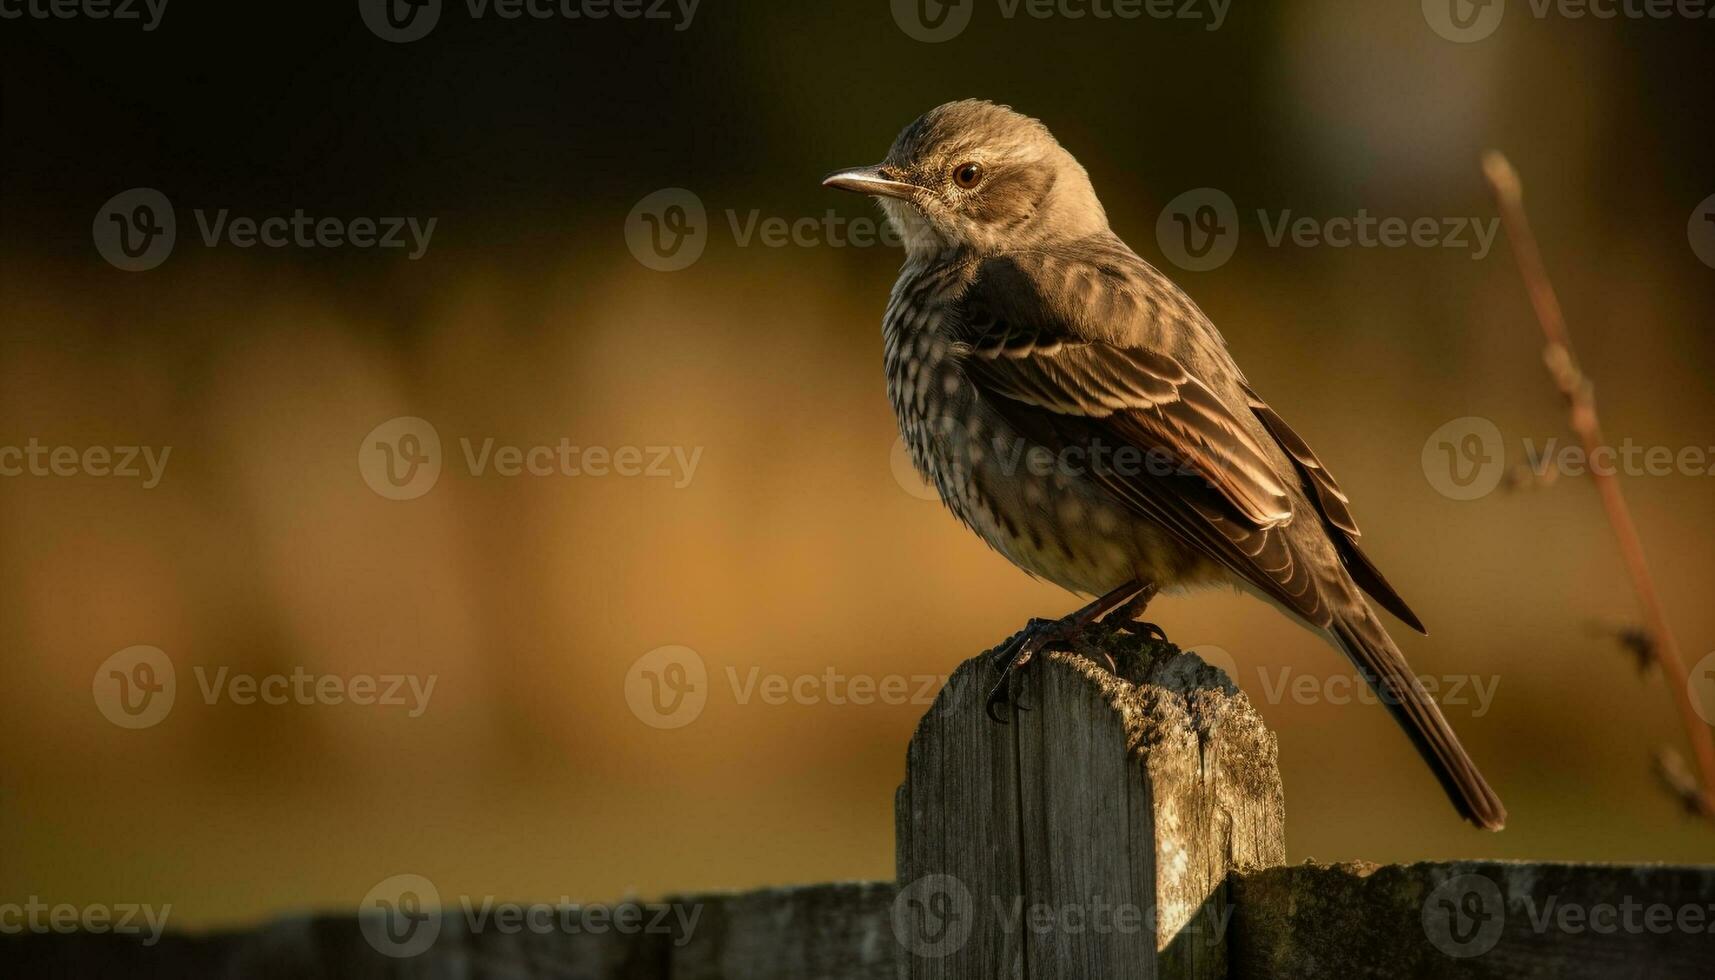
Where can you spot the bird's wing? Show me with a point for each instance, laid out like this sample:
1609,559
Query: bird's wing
1205,475
1336,512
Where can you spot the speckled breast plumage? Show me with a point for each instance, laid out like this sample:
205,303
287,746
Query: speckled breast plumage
1025,502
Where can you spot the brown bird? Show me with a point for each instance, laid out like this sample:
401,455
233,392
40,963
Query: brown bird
1077,410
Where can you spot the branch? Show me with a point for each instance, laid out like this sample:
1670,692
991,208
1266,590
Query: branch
1562,366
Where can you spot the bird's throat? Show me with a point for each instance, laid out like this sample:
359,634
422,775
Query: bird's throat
920,238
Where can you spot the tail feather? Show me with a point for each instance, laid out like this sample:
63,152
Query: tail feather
1367,643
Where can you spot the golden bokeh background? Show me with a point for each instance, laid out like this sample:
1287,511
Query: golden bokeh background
794,548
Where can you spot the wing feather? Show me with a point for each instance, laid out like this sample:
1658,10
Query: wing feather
1219,483
1336,512
1149,401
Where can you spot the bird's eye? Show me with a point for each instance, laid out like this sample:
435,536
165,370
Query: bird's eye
966,175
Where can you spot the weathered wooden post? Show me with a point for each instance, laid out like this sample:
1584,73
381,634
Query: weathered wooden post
1092,836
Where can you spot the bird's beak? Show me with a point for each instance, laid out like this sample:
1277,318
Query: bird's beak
876,181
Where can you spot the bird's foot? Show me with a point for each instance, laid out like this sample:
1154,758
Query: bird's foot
1126,616
1009,658
1119,605
1148,631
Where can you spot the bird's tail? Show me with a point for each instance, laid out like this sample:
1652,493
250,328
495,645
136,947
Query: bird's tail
1367,643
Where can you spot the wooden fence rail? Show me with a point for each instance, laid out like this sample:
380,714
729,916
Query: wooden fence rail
1120,828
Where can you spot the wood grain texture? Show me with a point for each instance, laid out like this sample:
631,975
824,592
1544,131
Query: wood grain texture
1092,836
1480,920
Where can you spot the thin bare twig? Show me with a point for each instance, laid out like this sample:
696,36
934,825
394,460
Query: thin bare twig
1581,403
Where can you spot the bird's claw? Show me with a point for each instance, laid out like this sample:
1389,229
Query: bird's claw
1014,653
1017,652
1148,631
1000,695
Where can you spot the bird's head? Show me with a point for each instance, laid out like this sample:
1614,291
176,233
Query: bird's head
980,176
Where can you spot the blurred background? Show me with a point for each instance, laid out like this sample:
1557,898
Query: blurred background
785,539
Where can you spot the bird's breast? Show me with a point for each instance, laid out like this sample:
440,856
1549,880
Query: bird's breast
1050,521
932,398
